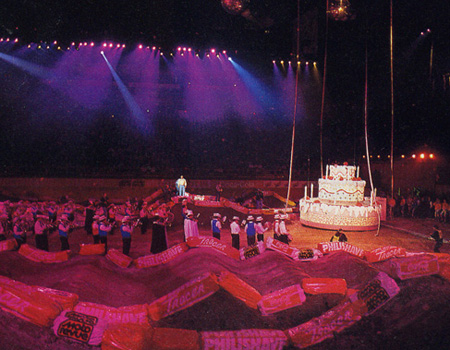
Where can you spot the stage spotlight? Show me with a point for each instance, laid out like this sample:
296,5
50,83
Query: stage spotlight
102,53
230,59
189,49
16,40
213,50
92,44
140,47
154,48
123,46
85,44
224,52
118,45
73,44
431,156
179,48
105,44
111,45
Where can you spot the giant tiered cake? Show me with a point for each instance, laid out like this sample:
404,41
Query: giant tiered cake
340,202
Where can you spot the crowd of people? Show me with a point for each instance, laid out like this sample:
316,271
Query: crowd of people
415,206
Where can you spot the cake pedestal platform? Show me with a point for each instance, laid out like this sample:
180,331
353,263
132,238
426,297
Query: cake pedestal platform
333,215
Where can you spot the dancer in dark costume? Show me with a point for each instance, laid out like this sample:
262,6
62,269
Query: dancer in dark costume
159,235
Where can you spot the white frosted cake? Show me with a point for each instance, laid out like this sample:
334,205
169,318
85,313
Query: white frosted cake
341,184
341,202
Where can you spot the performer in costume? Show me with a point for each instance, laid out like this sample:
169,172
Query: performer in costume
41,228
284,234
52,212
190,226
112,217
89,217
126,229
95,232
63,230
103,229
216,225
276,227
159,235
260,229
184,208
19,232
219,191
181,185
437,236
143,218
339,236
235,230
250,231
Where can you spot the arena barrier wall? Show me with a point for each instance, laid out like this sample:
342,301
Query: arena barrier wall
97,324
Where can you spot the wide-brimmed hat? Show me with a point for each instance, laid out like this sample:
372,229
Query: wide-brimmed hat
259,218
250,218
235,217
217,215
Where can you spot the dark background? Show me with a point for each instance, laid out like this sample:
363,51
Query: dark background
112,149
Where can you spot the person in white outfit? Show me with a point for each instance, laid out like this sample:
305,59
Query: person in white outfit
190,225
235,230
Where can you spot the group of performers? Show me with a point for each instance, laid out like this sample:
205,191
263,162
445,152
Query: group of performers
254,229
101,219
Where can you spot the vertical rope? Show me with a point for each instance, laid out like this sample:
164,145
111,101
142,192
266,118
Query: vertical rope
392,99
295,105
366,134
322,107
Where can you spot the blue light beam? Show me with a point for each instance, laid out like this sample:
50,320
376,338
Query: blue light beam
129,100
31,68
262,94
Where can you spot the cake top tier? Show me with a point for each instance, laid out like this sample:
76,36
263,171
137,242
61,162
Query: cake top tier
341,172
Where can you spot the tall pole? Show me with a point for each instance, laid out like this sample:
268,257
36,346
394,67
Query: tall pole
392,100
295,105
